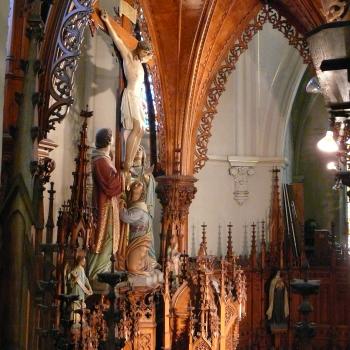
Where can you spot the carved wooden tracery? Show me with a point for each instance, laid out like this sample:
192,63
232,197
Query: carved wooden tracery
267,14
60,57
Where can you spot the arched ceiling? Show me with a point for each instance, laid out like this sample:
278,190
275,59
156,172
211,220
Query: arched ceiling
190,39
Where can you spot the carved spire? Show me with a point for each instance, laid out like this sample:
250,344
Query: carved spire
50,223
203,246
219,252
276,224
79,194
253,248
229,254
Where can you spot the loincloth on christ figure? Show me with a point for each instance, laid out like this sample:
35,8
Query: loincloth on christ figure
131,109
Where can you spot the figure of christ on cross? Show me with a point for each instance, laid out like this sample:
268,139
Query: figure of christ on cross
132,112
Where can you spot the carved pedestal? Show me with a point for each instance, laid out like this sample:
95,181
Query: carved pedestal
176,194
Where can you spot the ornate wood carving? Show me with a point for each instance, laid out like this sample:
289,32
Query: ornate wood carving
336,10
276,225
176,194
267,14
304,14
139,323
61,58
75,219
205,309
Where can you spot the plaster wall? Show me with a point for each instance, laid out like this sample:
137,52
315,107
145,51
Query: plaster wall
4,14
249,129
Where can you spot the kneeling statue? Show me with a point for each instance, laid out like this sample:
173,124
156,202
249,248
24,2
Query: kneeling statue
140,255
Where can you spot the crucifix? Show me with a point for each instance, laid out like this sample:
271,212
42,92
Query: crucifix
133,54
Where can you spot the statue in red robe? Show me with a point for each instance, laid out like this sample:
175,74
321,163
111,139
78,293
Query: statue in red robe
106,189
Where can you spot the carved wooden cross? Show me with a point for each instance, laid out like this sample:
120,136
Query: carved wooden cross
97,23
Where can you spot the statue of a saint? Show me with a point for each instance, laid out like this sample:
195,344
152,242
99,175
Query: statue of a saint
278,310
79,285
140,257
173,256
132,113
106,189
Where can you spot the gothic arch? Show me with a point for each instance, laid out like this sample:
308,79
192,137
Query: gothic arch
266,14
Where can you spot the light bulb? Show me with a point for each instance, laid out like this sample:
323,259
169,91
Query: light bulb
327,143
331,166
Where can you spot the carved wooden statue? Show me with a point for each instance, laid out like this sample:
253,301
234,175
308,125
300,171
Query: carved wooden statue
140,256
107,187
278,310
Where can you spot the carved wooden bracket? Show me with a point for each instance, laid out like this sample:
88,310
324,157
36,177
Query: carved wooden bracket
267,14
175,194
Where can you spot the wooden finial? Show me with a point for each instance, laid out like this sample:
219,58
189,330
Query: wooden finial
229,254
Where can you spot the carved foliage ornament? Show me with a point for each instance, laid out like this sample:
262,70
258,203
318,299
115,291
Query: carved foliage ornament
176,194
267,14
65,62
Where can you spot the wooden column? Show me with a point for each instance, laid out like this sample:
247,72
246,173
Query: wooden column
17,215
176,194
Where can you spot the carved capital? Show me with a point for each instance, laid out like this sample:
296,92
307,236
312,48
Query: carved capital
240,176
175,194
35,27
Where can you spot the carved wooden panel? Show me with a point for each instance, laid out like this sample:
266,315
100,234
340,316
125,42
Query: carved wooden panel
331,309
